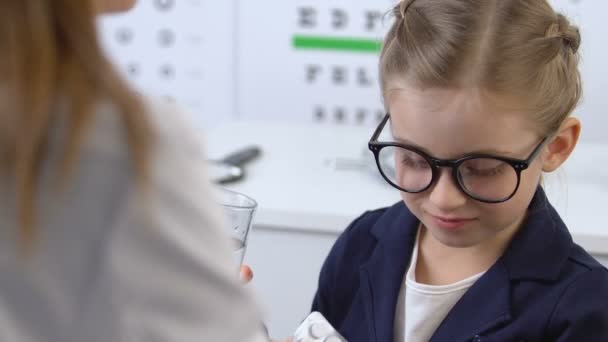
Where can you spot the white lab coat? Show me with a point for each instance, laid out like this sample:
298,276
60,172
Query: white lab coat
112,265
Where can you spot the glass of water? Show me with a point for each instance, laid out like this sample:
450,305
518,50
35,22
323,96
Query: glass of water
238,211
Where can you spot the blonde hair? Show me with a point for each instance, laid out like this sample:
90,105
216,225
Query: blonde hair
520,48
49,51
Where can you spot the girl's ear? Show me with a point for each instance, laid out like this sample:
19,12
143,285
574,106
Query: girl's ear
563,143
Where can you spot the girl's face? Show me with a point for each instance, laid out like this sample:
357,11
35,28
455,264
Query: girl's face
451,123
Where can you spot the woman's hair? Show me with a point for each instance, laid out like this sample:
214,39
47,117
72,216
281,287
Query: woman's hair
519,48
50,53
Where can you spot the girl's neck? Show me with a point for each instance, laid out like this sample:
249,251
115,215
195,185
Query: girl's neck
439,264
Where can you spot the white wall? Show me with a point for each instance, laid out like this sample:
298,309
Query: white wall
591,18
234,59
286,264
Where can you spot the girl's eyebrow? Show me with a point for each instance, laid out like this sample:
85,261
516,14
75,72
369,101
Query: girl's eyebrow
484,151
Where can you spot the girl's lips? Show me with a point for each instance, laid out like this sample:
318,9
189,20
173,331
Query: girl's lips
450,222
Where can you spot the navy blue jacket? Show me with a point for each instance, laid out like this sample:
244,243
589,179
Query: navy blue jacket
543,288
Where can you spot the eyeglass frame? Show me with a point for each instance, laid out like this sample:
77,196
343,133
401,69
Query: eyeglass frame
518,165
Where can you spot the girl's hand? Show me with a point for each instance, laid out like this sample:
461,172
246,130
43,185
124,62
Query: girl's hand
246,274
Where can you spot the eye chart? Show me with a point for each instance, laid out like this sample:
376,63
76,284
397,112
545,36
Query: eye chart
290,60
310,61
181,50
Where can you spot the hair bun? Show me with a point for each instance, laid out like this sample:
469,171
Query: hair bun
569,33
397,12
401,8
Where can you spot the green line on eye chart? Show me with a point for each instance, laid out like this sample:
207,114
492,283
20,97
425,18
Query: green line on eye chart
359,45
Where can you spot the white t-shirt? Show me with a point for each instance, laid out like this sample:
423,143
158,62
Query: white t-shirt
421,308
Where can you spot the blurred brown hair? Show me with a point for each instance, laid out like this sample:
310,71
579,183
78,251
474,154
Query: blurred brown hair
519,48
50,50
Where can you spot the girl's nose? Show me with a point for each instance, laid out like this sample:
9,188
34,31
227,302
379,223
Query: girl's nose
445,194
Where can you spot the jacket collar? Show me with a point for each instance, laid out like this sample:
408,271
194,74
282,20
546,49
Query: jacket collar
536,252
381,276
539,250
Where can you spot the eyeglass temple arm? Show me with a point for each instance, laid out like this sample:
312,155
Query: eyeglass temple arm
380,128
537,150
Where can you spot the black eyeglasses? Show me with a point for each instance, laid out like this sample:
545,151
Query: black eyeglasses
483,177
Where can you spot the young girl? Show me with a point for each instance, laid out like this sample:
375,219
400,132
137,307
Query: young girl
479,96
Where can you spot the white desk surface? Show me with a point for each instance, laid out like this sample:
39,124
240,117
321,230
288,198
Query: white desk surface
297,188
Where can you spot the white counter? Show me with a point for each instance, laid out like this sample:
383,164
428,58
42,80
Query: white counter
292,181
297,187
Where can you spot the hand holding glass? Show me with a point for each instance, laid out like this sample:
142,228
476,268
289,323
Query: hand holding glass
239,210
